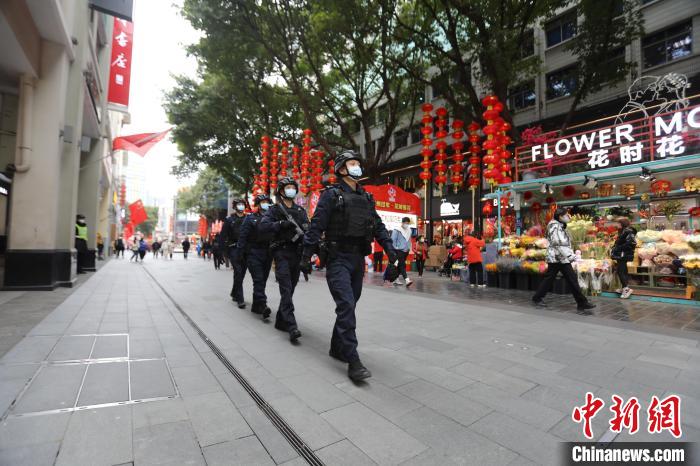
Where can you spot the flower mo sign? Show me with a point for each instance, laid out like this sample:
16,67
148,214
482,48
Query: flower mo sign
658,137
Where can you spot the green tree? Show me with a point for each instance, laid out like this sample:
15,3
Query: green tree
148,226
207,197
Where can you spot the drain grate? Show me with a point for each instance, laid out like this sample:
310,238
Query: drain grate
280,424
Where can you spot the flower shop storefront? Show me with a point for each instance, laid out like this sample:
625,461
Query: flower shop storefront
646,169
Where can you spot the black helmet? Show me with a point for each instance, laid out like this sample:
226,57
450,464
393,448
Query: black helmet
261,197
238,201
284,182
344,157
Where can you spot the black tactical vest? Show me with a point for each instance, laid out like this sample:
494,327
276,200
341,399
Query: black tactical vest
299,216
352,218
257,239
234,228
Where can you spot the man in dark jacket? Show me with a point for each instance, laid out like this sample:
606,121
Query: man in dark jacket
256,246
286,222
231,232
623,252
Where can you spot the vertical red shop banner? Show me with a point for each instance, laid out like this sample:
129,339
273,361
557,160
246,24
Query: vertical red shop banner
120,65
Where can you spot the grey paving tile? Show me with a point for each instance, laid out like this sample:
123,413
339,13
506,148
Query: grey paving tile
570,431
313,429
445,402
429,343
454,443
244,451
72,348
181,356
215,419
105,383
9,391
318,394
493,378
55,387
111,346
275,444
142,349
654,375
381,399
31,349
33,430
526,411
98,436
379,439
150,379
537,446
592,371
43,454
171,443
19,371
158,412
195,380
344,453
549,379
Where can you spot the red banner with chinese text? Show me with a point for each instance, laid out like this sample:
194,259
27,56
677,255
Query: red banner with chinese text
120,64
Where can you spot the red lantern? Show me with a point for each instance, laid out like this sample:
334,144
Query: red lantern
661,187
527,195
694,212
536,207
284,158
426,152
568,191
487,209
441,145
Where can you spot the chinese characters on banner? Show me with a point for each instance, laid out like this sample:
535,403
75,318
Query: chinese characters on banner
120,64
655,138
661,414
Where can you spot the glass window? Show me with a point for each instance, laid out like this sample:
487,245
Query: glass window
383,112
401,138
439,85
527,48
561,29
416,135
668,45
562,82
522,96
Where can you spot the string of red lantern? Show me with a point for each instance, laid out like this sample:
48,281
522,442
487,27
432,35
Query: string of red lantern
458,157
492,143
474,159
264,180
426,152
305,162
318,171
295,162
504,154
331,172
441,123
274,170
284,159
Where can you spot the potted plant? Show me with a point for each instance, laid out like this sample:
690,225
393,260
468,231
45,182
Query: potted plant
505,267
491,275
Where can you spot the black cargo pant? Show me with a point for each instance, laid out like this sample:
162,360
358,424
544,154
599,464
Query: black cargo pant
287,272
259,264
237,257
344,276
569,275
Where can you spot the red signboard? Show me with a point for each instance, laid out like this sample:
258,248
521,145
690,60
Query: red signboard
658,137
120,64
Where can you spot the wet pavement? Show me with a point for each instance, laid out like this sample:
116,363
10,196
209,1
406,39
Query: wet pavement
645,313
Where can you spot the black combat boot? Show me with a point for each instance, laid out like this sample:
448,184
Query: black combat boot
241,305
357,371
257,308
294,334
266,311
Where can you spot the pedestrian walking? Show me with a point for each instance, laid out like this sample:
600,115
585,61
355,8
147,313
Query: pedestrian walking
185,247
155,248
473,245
286,224
421,254
377,257
134,250
347,215
401,239
216,251
231,232
255,244
81,237
622,252
560,256
100,247
167,249
143,248
119,247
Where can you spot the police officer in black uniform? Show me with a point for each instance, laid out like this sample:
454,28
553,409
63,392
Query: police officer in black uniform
287,222
347,215
231,232
256,246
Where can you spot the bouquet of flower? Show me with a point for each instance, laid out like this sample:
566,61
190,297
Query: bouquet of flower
578,227
535,254
649,236
673,236
680,249
663,248
663,260
647,252
543,243
691,262
694,242
527,240
491,267
517,252
506,264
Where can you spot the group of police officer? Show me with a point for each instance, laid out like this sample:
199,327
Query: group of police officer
343,226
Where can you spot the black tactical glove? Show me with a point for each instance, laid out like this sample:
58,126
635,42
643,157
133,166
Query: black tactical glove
392,256
286,225
305,265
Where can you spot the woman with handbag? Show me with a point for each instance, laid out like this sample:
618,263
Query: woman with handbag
622,252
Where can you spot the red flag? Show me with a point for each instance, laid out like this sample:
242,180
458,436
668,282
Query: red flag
139,143
128,231
137,213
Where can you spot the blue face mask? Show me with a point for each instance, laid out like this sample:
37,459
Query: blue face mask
355,171
240,207
290,193
265,206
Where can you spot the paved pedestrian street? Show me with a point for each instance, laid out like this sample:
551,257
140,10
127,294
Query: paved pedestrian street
154,364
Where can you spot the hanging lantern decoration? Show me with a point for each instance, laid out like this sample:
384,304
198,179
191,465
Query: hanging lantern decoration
295,163
694,212
584,195
441,168
487,209
661,187
331,172
568,191
256,186
274,163
492,144
284,159
605,189
527,195
426,142
305,163
474,178
317,171
264,163
504,154
691,184
628,189
458,157
536,207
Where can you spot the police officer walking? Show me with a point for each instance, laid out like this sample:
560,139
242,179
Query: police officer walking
256,246
347,215
231,231
286,222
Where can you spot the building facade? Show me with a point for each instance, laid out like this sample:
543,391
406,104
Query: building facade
55,139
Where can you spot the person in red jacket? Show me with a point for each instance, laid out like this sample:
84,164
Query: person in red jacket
420,254
456,251
473,243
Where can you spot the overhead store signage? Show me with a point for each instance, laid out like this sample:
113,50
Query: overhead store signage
120,64
657,137
118,8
